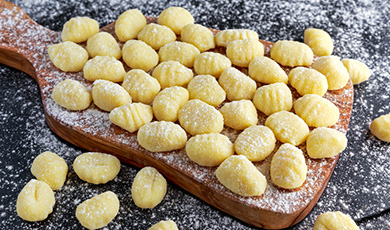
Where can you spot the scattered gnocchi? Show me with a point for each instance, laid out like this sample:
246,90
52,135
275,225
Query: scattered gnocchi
273,98
103,44
182,52
79,29
175,18
199,36
131,116
291,53
242,52
308,81
167,103
172,73
108,95
141,86
223,38
237,85
239,114
72,95
325,142
164,225
156,35
380,127
104,68
358,71
334,70
68,56
139,55
334,220
129,24
319,41
211,63
207,89
265,70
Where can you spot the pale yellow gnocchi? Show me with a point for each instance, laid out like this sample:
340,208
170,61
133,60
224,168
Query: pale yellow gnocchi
288,127
68,56
50,168
105,68
242,52
164,225
96,168
288,167
172,73
237,85
265,70
211,63
308,81
209,149
141,86
292,53
131,116
198,117
380,127
325,142
223,38
239,114
129,24
72,95
334,70
319,41
79,29
149,188
240,176
108,95
316,111
98,211
103,44
199,36
161,136
35,202
175,18
256,142
139,55
207,89
358,71
156,35
182,52
273,98
334,220
167,103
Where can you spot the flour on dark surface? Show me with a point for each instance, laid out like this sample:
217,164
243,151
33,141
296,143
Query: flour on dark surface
360,183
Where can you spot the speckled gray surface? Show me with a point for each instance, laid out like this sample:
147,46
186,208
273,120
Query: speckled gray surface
360,183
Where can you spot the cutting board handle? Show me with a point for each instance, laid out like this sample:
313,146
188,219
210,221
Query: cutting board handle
22,41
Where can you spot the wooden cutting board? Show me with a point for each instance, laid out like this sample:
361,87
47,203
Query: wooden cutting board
23,45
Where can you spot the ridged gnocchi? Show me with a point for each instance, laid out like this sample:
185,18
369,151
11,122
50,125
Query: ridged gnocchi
156,35
211,63
68,56
167,103
175,18
164,225
334,220
207,89
288,127
79,29
237,85
104,68
198,117
316,111
308,81
103,44
182,52
319,41
131,116
172,73
273,98
358,71
96,168
161,136
288,167
139,55
108,95
223,38
380,127
209,149
265,70
334,70
129,24
242,52
240,176
239,114
199,36
141,86
256,142
292,53
72,95
325,142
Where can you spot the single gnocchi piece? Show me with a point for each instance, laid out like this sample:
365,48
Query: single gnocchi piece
164,225
207,89
50,168
292,53
131,116
288,127
139,55
96,168
265,70
156,35
161,136
239,114
240,176
242,52
223,38
79,29
175,18
72,95
98,211
182,52
308,81
172,73
68,56
211,63
316,111
273,98
288,167
198,117
35,202
108,95
141,86
380,127
149,188
358,71
129,24
256,142
334,70
237,85
167,103
209,149
103,44
199,36
104,68
334,220
319,41
325,142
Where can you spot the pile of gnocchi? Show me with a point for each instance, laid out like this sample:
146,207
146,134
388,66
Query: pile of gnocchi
181,85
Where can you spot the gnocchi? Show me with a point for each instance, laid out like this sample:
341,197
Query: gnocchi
172,73
308,81
292,53
199,36
108,95
129,24
319,41
167,103
273,98
156,35
175,18
325,142
139,55
237,85
103,44
68,56
79,29
334,70
239,114
380,127
242,52
141,86
105,68
182,52
211,63
164,225
223,38
131,116
72,95
334,220
266,70
358,71
207,89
